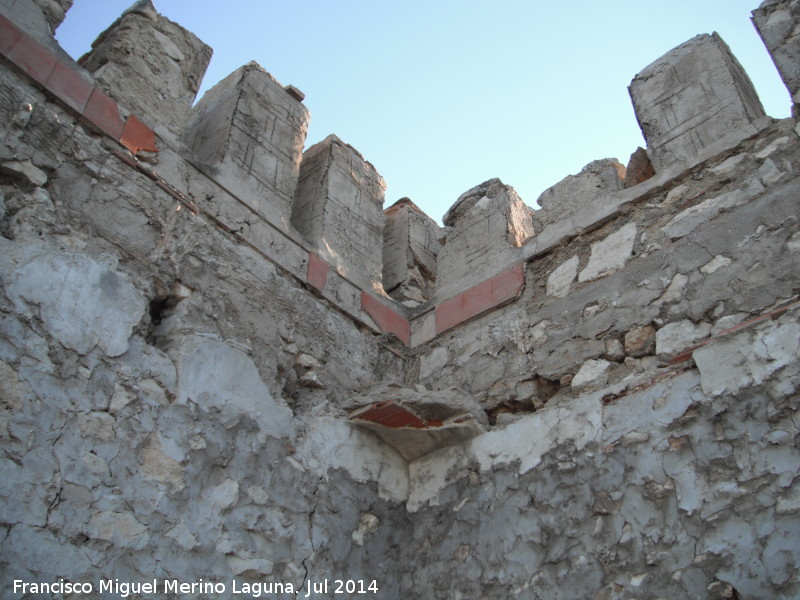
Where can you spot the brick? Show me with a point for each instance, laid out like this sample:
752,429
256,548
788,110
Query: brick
102,112
69,87
137,136
33,58
317,274
9,34
387,319
390,414
480,298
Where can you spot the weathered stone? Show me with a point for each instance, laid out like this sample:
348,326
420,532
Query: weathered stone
614,350
120,528
674,291
576,192
559,281
141,46
368,523
770,173
12,391
715,264
252,568
776,22
236,390
610,255
82,302
640,341
183,537
694,96
673,338
338,209
592,376
39,19
728,365
772,147
247,133
160,467
54,11
410,247
693,217
639,168
489,223
25,169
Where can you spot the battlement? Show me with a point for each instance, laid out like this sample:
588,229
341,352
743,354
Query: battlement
246,135
218,350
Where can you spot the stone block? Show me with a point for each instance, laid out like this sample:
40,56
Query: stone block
676,337
54,11
640,341
694,96
571,194
592,376
410,247
489,223
748,357
778,24
639,168
610,254
338,208
693,217
150,65
247,133
39,19
559,281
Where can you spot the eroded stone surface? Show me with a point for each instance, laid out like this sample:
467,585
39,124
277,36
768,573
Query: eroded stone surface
410,247
489,222
776,22
576,192
695,95
338,207
248,133
610,254
81,301
146,46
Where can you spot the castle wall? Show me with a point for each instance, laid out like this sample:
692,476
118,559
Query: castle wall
178,361
169,389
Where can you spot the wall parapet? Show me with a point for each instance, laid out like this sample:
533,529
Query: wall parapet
75,89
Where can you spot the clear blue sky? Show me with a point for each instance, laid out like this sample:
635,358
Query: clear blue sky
442,95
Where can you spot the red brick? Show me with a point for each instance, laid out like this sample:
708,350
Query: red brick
137,136
33,58
480,298
317,274
9,34
68,86
389,414
387,319
103,113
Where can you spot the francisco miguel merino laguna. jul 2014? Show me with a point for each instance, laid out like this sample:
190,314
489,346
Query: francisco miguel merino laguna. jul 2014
254,589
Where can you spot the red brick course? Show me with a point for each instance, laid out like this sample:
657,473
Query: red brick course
488,294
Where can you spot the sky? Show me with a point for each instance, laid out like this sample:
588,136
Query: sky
441,95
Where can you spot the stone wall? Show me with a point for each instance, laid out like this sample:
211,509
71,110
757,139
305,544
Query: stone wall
220,359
